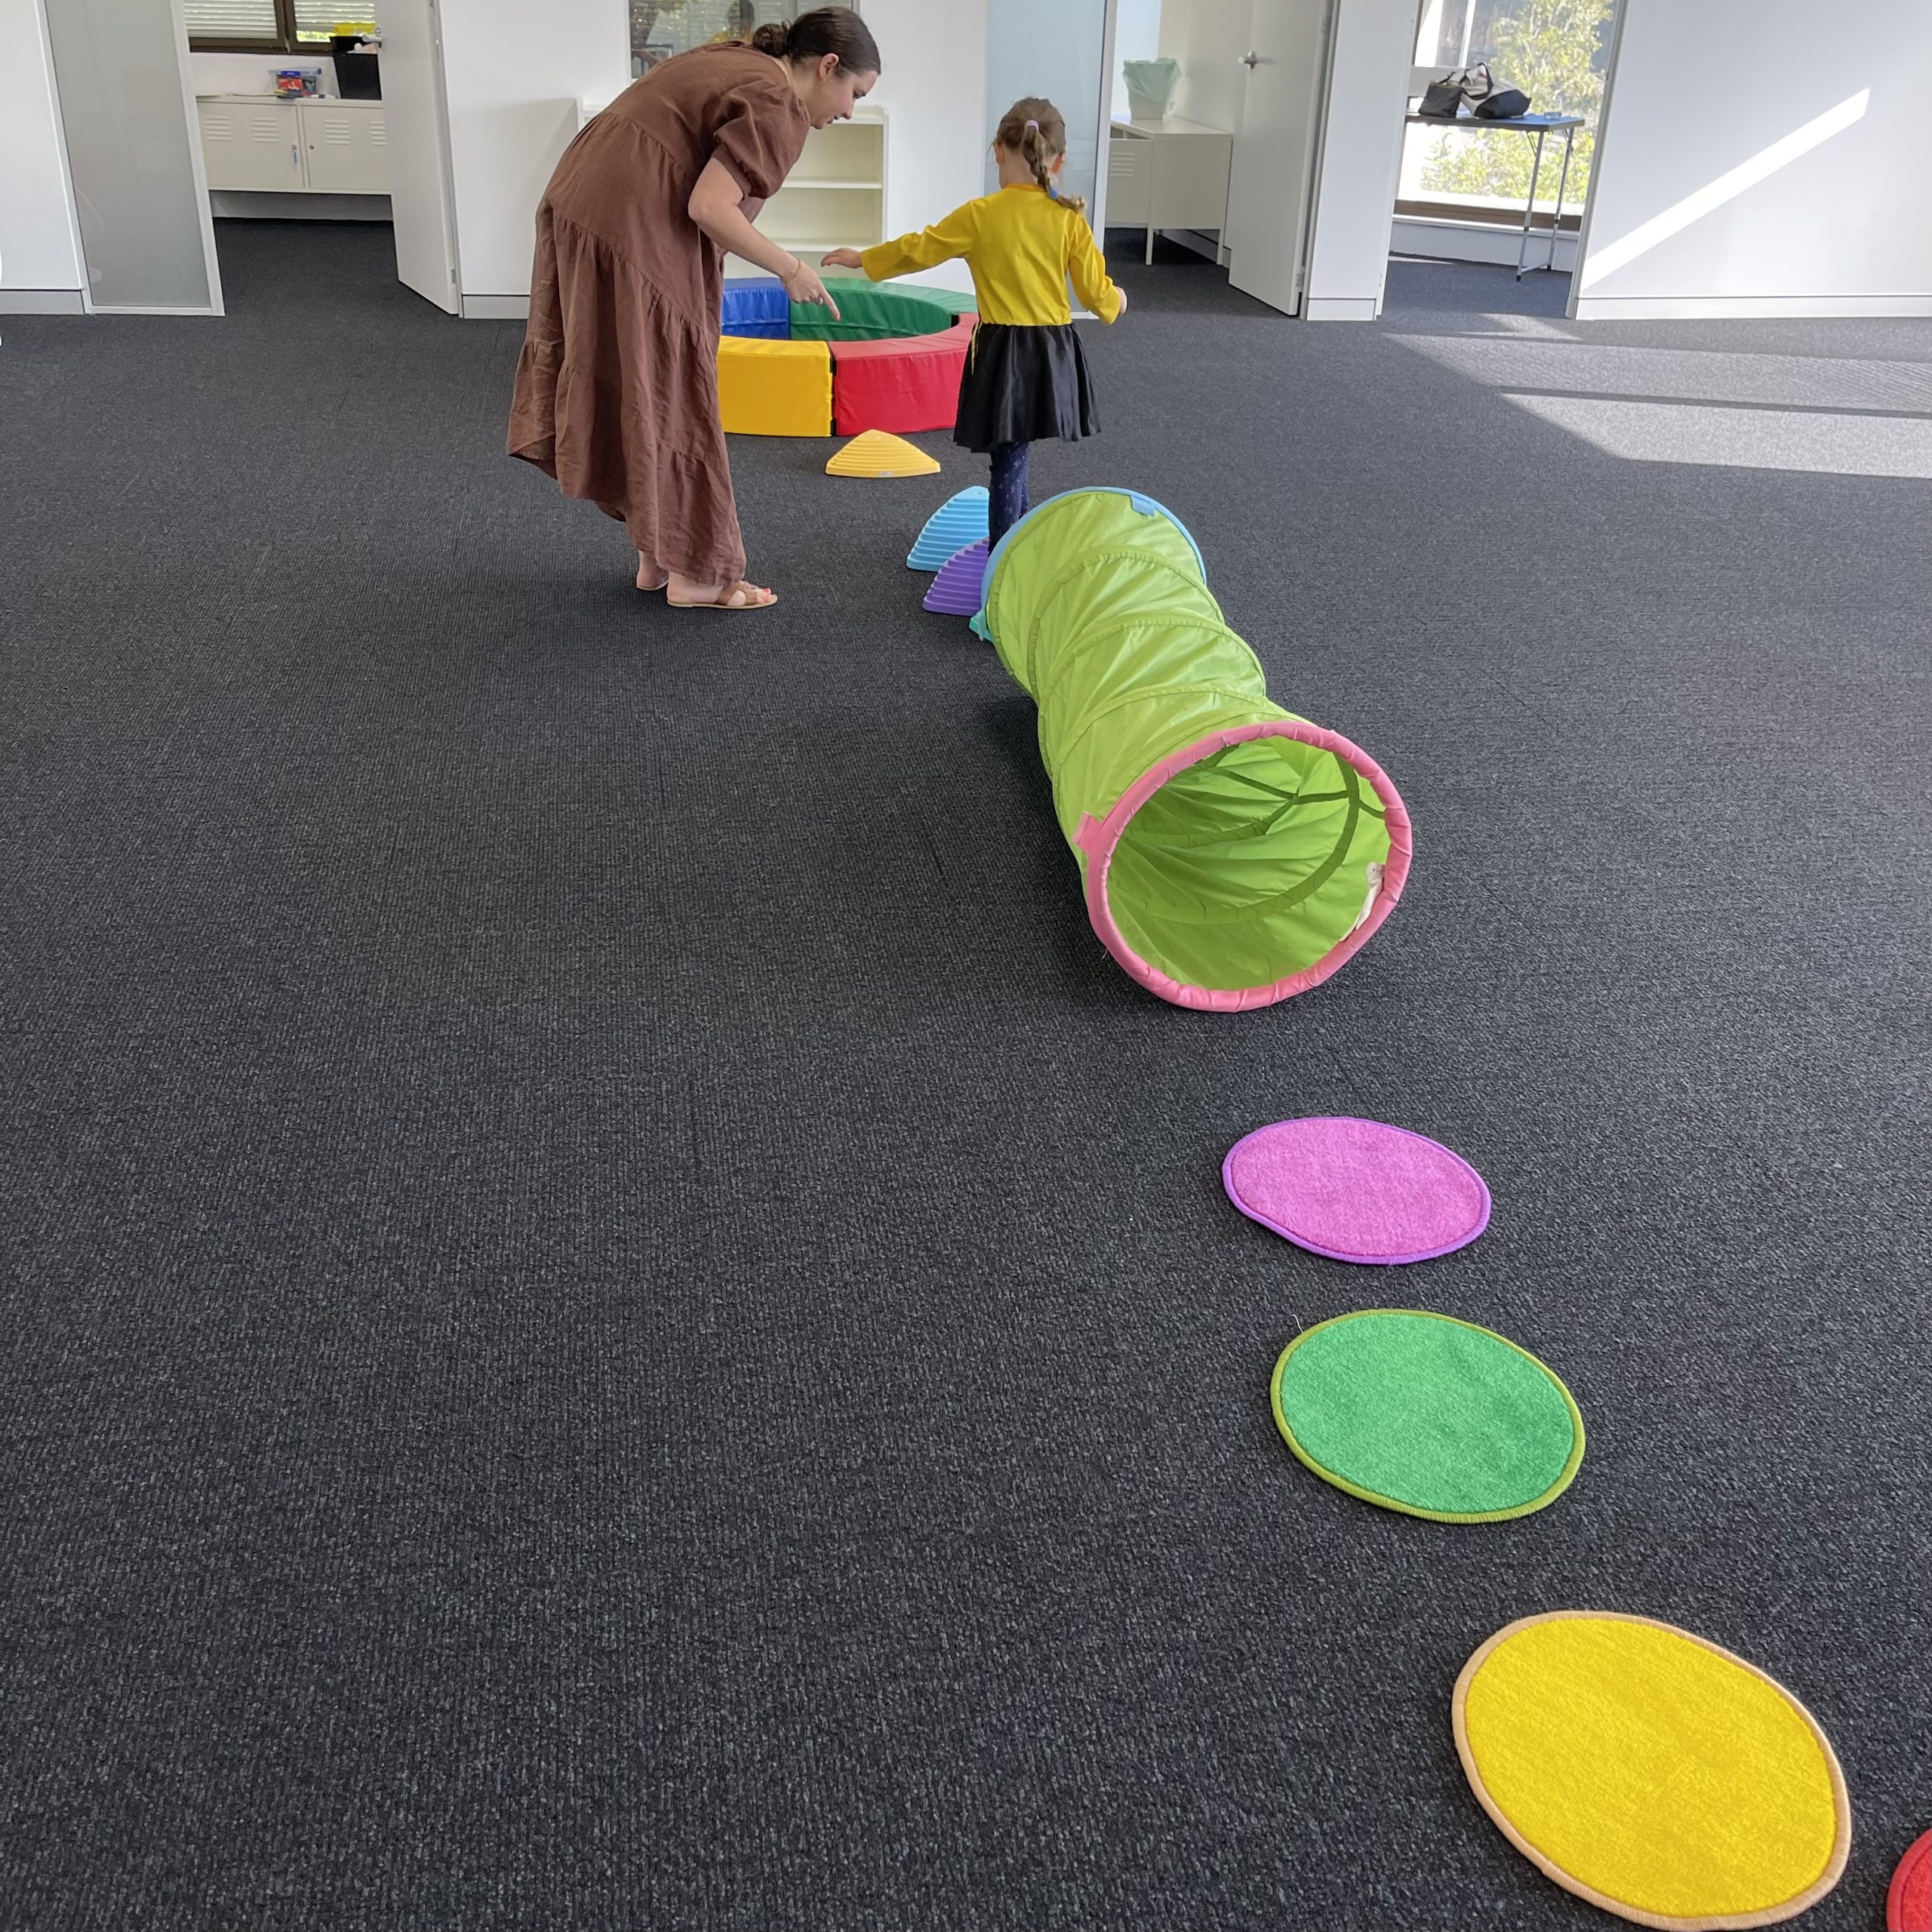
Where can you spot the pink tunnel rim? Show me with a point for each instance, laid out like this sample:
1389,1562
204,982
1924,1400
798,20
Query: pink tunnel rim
1099,838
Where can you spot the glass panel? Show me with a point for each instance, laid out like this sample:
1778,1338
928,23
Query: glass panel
117,64
232,20
1556,51
1054,52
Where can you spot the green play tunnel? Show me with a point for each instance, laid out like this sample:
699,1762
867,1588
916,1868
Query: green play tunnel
1232,853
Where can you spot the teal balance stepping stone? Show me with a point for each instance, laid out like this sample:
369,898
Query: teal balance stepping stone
958,522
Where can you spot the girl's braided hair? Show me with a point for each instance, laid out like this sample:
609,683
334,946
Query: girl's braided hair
1036,131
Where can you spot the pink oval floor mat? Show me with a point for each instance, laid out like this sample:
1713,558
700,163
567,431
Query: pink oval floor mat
1357,1190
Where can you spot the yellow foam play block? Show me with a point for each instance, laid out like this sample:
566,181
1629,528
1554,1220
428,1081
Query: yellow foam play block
873,453
773,389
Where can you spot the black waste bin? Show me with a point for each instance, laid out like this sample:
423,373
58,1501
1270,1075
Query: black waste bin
357,75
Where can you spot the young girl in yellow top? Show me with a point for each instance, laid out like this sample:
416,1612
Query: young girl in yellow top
1025,378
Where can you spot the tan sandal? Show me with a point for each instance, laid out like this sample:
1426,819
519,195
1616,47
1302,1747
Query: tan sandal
748,596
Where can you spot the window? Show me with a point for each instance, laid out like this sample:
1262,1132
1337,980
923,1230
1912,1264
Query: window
315,19
265,26
662,28
1556,51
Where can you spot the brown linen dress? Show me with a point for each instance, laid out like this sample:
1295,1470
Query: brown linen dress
616,389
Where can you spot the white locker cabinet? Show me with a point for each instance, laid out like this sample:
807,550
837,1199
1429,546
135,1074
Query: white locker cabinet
255,141
1170,173
251,142
344,145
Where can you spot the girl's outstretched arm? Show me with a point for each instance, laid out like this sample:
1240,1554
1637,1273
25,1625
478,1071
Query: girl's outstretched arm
944,242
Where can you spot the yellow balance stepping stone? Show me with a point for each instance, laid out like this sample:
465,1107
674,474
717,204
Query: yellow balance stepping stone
1651,1772
875,453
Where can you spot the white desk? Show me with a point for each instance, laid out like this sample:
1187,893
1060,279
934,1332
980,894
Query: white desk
1170,173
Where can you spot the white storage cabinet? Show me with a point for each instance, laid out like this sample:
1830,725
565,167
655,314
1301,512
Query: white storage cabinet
255,142
1170,173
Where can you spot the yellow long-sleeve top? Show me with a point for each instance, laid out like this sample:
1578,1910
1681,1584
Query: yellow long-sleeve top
1021,246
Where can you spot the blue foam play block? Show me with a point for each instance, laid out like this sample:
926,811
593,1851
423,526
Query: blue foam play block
958,522
756,309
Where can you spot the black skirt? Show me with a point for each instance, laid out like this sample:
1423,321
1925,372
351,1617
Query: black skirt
1024,385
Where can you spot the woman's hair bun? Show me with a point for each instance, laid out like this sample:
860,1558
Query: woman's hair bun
824,30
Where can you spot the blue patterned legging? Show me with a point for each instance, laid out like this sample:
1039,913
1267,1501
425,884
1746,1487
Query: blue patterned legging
1009,489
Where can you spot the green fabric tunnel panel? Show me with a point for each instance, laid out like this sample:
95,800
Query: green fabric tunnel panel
1233,854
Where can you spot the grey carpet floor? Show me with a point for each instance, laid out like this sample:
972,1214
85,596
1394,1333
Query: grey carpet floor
614,1318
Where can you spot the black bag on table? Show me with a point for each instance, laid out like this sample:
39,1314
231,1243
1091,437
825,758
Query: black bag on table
1442,98
1504,104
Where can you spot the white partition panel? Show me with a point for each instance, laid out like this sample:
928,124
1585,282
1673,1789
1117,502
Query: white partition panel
40,249
1763,158
134,155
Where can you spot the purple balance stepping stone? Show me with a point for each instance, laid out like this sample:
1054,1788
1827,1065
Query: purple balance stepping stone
958,590
1357,1190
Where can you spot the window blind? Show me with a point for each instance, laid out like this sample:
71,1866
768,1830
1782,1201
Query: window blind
315,19
232,20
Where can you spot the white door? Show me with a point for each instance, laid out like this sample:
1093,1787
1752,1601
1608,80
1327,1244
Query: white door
416,124
1271,188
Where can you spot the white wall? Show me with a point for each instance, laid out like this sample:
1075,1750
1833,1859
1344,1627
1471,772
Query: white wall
933,89
1763,158
514,79
1361,155
1208,38
40,251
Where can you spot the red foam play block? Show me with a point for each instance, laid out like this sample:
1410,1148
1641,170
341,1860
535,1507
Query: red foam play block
908,382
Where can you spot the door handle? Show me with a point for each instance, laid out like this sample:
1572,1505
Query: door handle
1250,60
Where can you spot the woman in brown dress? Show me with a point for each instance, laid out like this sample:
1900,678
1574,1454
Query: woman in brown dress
616,390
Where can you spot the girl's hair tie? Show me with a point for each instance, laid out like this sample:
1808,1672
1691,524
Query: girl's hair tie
1035,125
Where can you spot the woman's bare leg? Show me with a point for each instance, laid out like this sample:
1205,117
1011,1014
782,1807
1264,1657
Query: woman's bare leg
649,577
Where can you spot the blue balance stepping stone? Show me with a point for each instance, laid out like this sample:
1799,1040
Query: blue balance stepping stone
958,522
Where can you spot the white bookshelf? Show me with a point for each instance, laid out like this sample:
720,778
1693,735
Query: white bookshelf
834,199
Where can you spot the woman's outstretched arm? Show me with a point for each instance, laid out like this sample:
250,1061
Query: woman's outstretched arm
714,206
